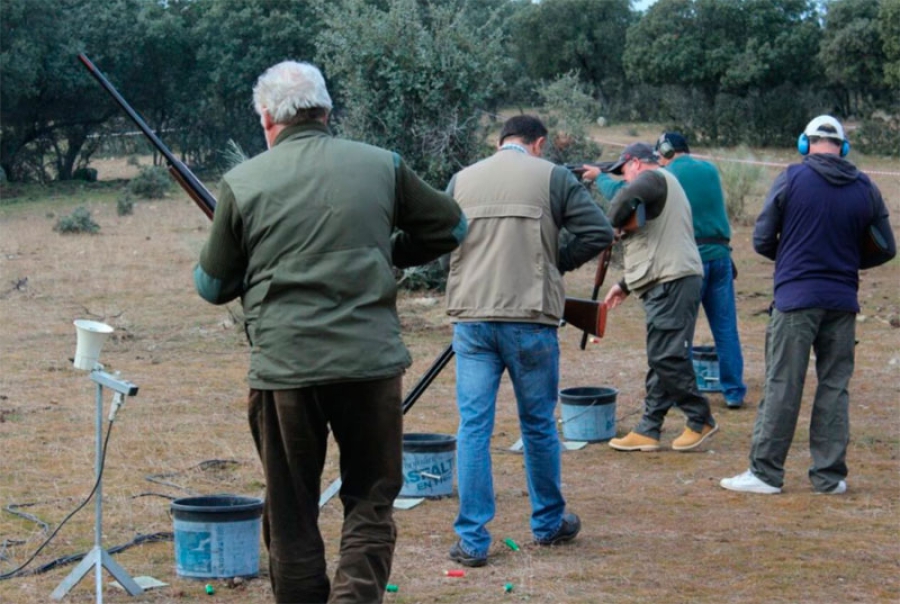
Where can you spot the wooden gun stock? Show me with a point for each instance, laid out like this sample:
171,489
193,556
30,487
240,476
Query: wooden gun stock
587,315
193,187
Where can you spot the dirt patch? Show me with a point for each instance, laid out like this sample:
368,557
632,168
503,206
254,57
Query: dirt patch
657,528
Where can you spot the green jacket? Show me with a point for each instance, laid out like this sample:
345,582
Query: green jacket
303,234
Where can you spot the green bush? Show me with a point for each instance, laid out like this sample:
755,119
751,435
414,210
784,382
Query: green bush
85,174
125,205
79,221
152,183
429,276
570,112
739,179
878,135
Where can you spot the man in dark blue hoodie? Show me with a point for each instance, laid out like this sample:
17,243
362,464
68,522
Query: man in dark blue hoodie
814,225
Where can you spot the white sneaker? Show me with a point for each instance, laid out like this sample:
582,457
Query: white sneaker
748,483
840,489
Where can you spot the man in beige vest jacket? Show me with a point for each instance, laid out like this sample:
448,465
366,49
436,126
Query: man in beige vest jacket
505,295
663,267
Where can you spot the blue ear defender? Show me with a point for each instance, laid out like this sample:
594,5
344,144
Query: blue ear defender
803,146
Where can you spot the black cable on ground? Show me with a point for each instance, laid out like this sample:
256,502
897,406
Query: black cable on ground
16,572
140,539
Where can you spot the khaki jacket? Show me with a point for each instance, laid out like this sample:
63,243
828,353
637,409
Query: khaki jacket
664,248
510,266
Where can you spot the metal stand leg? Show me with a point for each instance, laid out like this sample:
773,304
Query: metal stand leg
98,557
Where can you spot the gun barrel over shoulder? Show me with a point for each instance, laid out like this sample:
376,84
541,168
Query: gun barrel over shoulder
180,172
578,169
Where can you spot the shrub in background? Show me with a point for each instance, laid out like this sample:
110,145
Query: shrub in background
571,111
85,174
153,182
739,179
878,135
125,205
429,276
79,221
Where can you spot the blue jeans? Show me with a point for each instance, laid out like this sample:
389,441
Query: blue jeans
530,352
717,297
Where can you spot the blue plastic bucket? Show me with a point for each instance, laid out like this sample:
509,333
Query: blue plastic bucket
706,368
588,413
217,536
428,465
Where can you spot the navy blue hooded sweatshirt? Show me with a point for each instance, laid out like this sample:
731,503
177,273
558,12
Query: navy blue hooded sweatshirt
812,224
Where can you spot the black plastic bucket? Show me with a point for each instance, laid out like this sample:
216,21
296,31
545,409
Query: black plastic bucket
588,413
217,536
428,465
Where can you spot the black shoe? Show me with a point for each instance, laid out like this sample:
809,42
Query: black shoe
458,554
734,404
570,527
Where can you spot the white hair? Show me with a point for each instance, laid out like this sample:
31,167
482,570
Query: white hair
286,88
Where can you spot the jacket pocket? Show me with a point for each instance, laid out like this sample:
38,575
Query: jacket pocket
499,270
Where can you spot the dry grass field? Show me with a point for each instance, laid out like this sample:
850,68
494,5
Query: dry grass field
657,527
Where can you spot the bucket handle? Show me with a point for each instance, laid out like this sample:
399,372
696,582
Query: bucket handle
577,415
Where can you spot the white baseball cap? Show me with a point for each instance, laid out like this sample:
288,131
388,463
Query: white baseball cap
825,126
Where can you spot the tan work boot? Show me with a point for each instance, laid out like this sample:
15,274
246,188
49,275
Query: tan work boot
635,442
690,439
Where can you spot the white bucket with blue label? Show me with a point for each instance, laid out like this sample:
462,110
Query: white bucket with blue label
706,368
428,465
217,536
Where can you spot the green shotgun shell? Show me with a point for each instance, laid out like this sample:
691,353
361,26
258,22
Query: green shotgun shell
209,590
392,588
511,544
508,587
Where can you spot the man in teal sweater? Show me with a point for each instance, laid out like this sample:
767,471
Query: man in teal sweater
700,181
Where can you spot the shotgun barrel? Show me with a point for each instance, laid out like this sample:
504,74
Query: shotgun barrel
180,172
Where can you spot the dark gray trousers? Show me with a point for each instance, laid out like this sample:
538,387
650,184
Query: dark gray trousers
671,310
789,338
290,429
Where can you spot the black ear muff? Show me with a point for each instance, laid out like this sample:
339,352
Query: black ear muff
664,147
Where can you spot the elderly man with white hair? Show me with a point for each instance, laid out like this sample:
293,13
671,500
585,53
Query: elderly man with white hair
307,235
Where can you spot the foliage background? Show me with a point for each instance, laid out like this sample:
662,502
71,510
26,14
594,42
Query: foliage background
426,77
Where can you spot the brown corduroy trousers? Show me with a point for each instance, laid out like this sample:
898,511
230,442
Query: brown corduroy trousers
290,429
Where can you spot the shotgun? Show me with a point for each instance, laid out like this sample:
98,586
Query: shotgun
590,315
207,204
578,169
180,172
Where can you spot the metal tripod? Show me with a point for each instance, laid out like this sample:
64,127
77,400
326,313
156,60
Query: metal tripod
98,558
